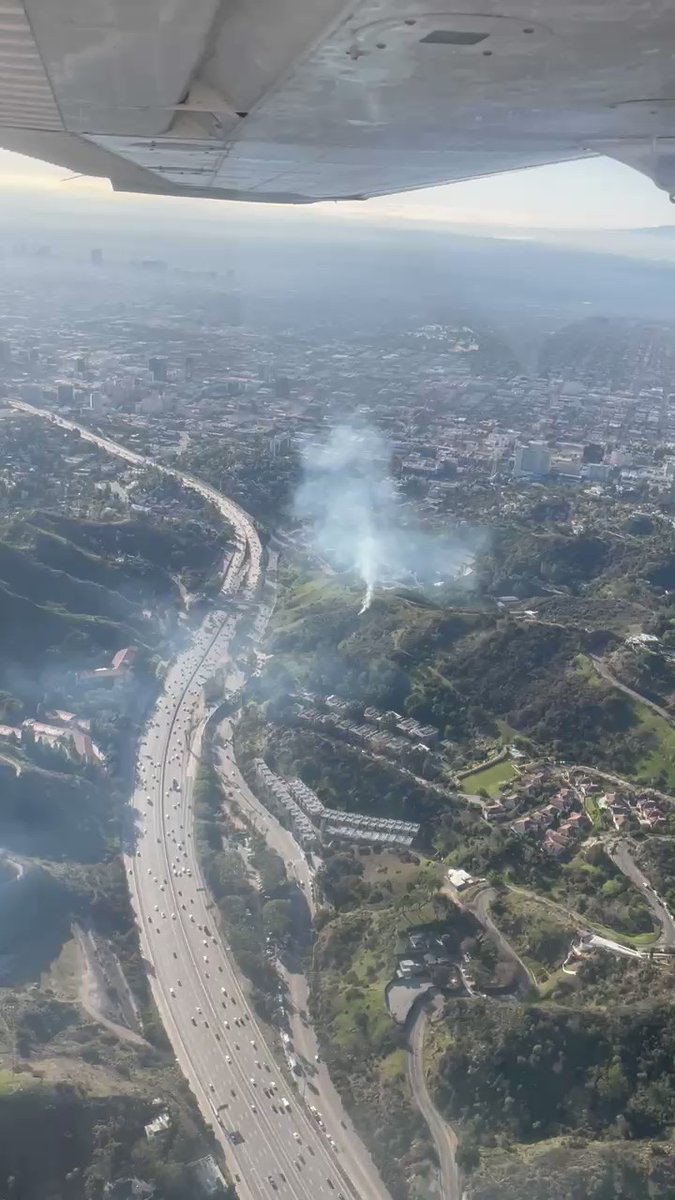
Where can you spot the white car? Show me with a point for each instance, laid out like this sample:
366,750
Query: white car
172,992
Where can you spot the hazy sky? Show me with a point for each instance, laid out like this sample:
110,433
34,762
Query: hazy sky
593,194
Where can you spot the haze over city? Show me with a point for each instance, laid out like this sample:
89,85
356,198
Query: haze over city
337,692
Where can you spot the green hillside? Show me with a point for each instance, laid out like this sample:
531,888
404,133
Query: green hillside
149,551
74,1102
23,572
52,815
471,674
73,591
542,1075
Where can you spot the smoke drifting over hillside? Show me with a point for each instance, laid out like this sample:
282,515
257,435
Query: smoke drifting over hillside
353,509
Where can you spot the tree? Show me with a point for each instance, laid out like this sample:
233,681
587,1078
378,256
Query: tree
277,917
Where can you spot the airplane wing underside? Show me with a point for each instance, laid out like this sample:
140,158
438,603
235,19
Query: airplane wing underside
303,100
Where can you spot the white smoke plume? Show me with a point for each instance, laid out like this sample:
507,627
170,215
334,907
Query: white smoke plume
367,600
350,502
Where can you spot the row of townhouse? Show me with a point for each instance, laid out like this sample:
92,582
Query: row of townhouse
407,727
306,812
380,741
278,795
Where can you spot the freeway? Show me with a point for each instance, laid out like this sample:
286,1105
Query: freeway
195,982
248,561
270,1141
362,1170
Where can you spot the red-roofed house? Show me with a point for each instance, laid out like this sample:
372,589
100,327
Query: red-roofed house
123,660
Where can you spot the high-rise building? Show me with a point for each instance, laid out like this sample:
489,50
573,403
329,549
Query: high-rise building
158,366
64,393
534,459
96,256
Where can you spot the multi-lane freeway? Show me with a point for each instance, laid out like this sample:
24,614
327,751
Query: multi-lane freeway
214,1032
271,1142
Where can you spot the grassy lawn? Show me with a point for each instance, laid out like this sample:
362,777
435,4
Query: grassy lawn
541,936
9,1082
640,941
400,878
393,1066
353,997
593,812
662,757
489,778
562,907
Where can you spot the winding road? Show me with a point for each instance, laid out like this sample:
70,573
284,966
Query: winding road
443,1135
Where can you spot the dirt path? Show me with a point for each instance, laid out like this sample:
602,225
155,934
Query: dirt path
94,994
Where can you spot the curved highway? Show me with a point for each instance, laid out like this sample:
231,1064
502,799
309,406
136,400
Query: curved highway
271,1142
241,520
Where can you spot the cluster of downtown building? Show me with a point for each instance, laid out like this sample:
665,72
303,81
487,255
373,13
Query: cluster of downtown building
313,823
590,413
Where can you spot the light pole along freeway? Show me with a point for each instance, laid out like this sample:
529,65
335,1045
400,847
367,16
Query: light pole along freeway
195,983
